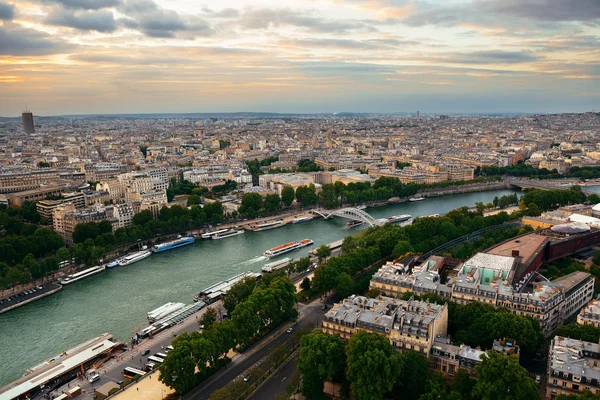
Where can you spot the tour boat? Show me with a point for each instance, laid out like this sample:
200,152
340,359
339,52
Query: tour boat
173,244
284,248
227,233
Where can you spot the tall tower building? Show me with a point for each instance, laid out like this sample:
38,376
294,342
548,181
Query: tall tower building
418,114
28,122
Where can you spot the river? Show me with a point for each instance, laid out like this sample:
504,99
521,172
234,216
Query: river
116,301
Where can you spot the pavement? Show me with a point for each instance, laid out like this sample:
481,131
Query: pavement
309,314
113,369
21,298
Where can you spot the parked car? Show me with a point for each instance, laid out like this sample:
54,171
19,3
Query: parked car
93,378
289,330
146,352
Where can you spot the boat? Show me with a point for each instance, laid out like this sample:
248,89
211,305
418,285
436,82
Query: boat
362,207
214,292
276,265
112,264
135,257
268,225
284,248
209,235
164,310
227,233
173,244
394,219
353,224
302,219
417,198
82,274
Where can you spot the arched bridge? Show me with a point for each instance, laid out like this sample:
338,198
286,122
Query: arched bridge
350,213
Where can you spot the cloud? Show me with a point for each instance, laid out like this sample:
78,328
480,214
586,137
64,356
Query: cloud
158,22
7,11
100,20
29,42
224,13
84,4
482,11
495,56
265,18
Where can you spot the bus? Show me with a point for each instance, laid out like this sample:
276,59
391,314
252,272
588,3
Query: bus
131,373
156,359
161,355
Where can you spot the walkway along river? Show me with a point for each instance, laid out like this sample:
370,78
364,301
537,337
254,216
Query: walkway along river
116,301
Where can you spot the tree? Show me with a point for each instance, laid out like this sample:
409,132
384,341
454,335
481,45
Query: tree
587,333
238,293
463,384
593,198
305,285
500,377
344,285
193,199
303,264
287,195
373,365
322,358
177,370
584,395
251,205
143,217
209,318
272,202
402,248
414,368
323,252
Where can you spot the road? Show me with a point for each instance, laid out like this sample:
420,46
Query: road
309,314
276,383
21,298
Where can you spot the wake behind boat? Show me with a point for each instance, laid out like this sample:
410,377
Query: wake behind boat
284,248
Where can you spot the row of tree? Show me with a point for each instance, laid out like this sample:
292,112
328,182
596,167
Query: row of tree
197,355
379,243
545,200
370,368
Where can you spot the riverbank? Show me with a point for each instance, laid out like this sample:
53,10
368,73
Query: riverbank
117,301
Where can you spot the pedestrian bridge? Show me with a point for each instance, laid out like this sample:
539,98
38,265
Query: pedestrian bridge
350,213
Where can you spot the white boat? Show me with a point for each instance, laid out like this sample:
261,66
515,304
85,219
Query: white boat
276,265
164,310
267,225
228,233
417,198
82,275
284,248
362,207
209,235
394,219
302,219
135,257
112,264
353,224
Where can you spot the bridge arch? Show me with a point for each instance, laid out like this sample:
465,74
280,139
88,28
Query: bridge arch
350,213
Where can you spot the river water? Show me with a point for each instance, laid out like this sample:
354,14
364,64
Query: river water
116,301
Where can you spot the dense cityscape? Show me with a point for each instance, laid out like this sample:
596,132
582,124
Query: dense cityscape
307,200
445,294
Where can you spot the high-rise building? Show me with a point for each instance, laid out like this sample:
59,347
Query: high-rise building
418,115
28,122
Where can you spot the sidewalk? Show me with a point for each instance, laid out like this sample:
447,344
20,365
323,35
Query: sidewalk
148,388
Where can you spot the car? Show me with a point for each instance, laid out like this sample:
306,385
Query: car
40,287
93,378
146,352
246,378
289,330
169,348
538,378
324,307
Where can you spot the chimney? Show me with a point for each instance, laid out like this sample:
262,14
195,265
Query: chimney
515,253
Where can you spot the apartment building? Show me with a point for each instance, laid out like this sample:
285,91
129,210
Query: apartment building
123,213
66,217
46,207
573,366
408,324
487,278
115,189
590,314
16,181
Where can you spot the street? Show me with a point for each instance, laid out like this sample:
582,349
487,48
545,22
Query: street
276,383
310,314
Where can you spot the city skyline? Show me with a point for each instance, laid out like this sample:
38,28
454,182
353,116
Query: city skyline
67,57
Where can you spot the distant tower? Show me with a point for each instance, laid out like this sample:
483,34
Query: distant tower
417,115
28,121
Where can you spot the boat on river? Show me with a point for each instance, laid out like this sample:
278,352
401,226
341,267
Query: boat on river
284,248
227,233
268,225
173,244
135,257
86,273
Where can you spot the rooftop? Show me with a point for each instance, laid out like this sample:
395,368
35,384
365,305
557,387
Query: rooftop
525,246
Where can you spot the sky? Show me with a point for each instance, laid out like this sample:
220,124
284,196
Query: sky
304,56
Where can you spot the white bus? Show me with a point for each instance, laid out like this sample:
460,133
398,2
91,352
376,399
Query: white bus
130,373
156,359
161,355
